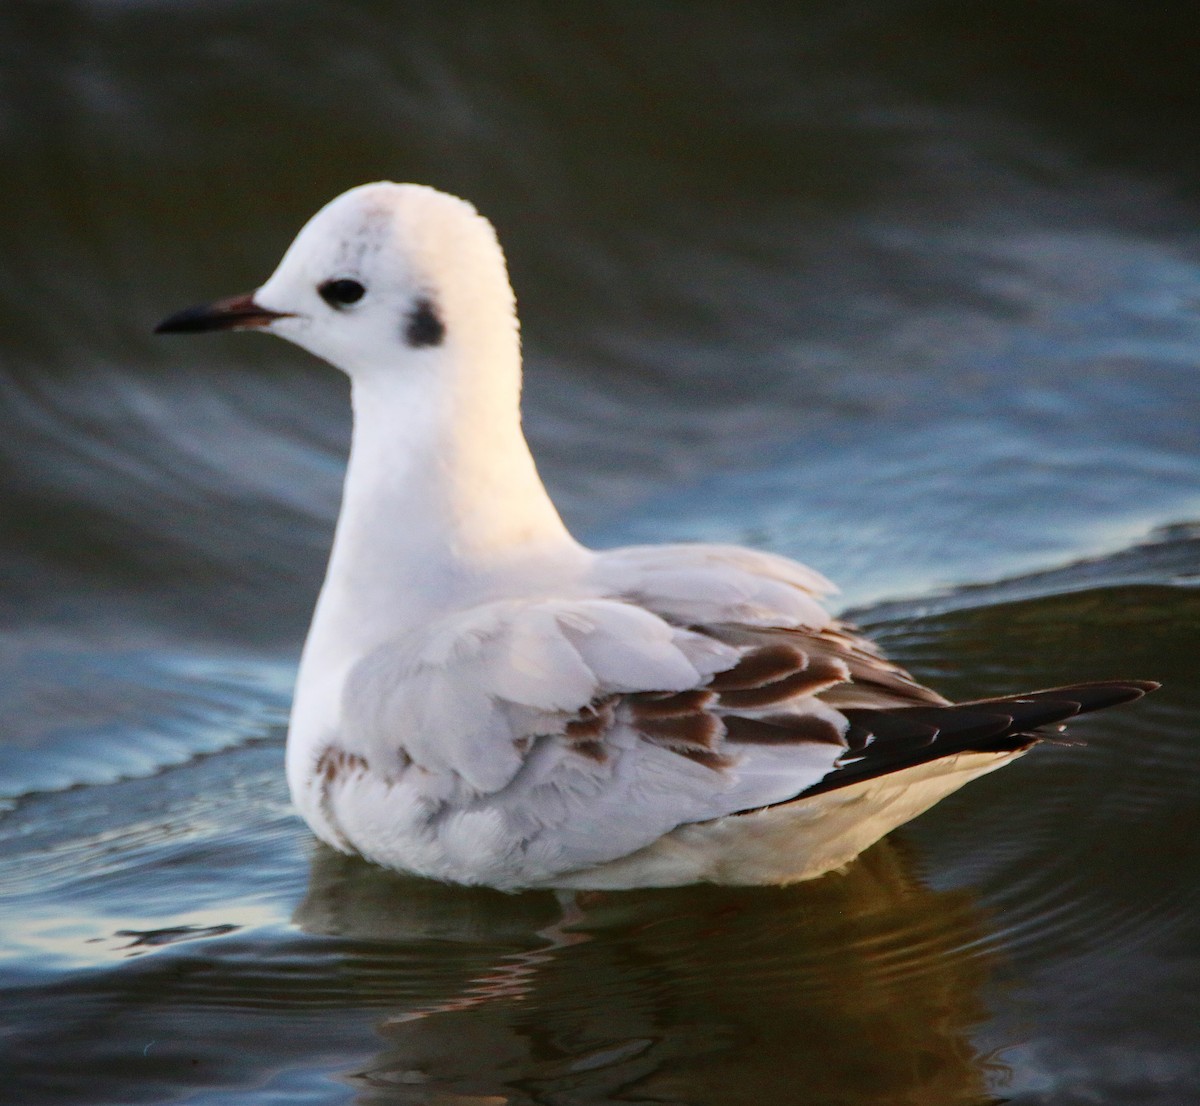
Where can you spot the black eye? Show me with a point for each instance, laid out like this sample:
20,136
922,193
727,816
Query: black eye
338,293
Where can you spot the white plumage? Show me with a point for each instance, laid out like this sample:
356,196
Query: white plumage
483,700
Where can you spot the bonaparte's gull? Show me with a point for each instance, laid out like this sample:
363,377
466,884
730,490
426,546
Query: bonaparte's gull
483,700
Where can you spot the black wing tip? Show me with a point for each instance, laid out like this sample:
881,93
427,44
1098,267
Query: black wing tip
1103,694
1144,686
1008,724
1135,689
1094,695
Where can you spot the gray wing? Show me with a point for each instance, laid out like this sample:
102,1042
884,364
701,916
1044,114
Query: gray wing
539,736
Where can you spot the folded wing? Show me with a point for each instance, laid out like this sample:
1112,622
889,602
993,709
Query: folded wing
555,734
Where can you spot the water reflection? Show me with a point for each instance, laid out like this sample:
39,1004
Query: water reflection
861,987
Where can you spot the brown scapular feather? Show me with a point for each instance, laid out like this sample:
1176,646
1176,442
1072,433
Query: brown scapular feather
782,730
873,678
700,730
648,705
591,724
715,761
764,665
819,675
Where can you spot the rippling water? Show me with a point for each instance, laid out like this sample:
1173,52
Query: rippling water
908,290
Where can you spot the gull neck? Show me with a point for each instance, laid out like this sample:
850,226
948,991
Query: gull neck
442,505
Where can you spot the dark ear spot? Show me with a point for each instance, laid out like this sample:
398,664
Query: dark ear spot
423,326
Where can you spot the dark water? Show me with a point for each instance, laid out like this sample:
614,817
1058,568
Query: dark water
908,290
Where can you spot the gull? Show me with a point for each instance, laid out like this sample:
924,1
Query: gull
483,700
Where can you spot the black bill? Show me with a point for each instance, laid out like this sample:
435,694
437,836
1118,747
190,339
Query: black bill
234,313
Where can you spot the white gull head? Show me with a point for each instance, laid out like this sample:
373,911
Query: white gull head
390,275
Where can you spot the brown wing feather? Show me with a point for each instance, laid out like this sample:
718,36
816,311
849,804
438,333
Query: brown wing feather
764,664
783,730
778,671
870,679
891,721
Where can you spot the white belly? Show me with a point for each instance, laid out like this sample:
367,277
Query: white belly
396,824
792,842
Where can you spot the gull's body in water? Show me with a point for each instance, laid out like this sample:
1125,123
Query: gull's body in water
483,700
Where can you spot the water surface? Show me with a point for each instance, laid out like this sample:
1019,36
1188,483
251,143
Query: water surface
906,290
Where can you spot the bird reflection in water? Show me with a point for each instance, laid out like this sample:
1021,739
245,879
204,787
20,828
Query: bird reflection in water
861,987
